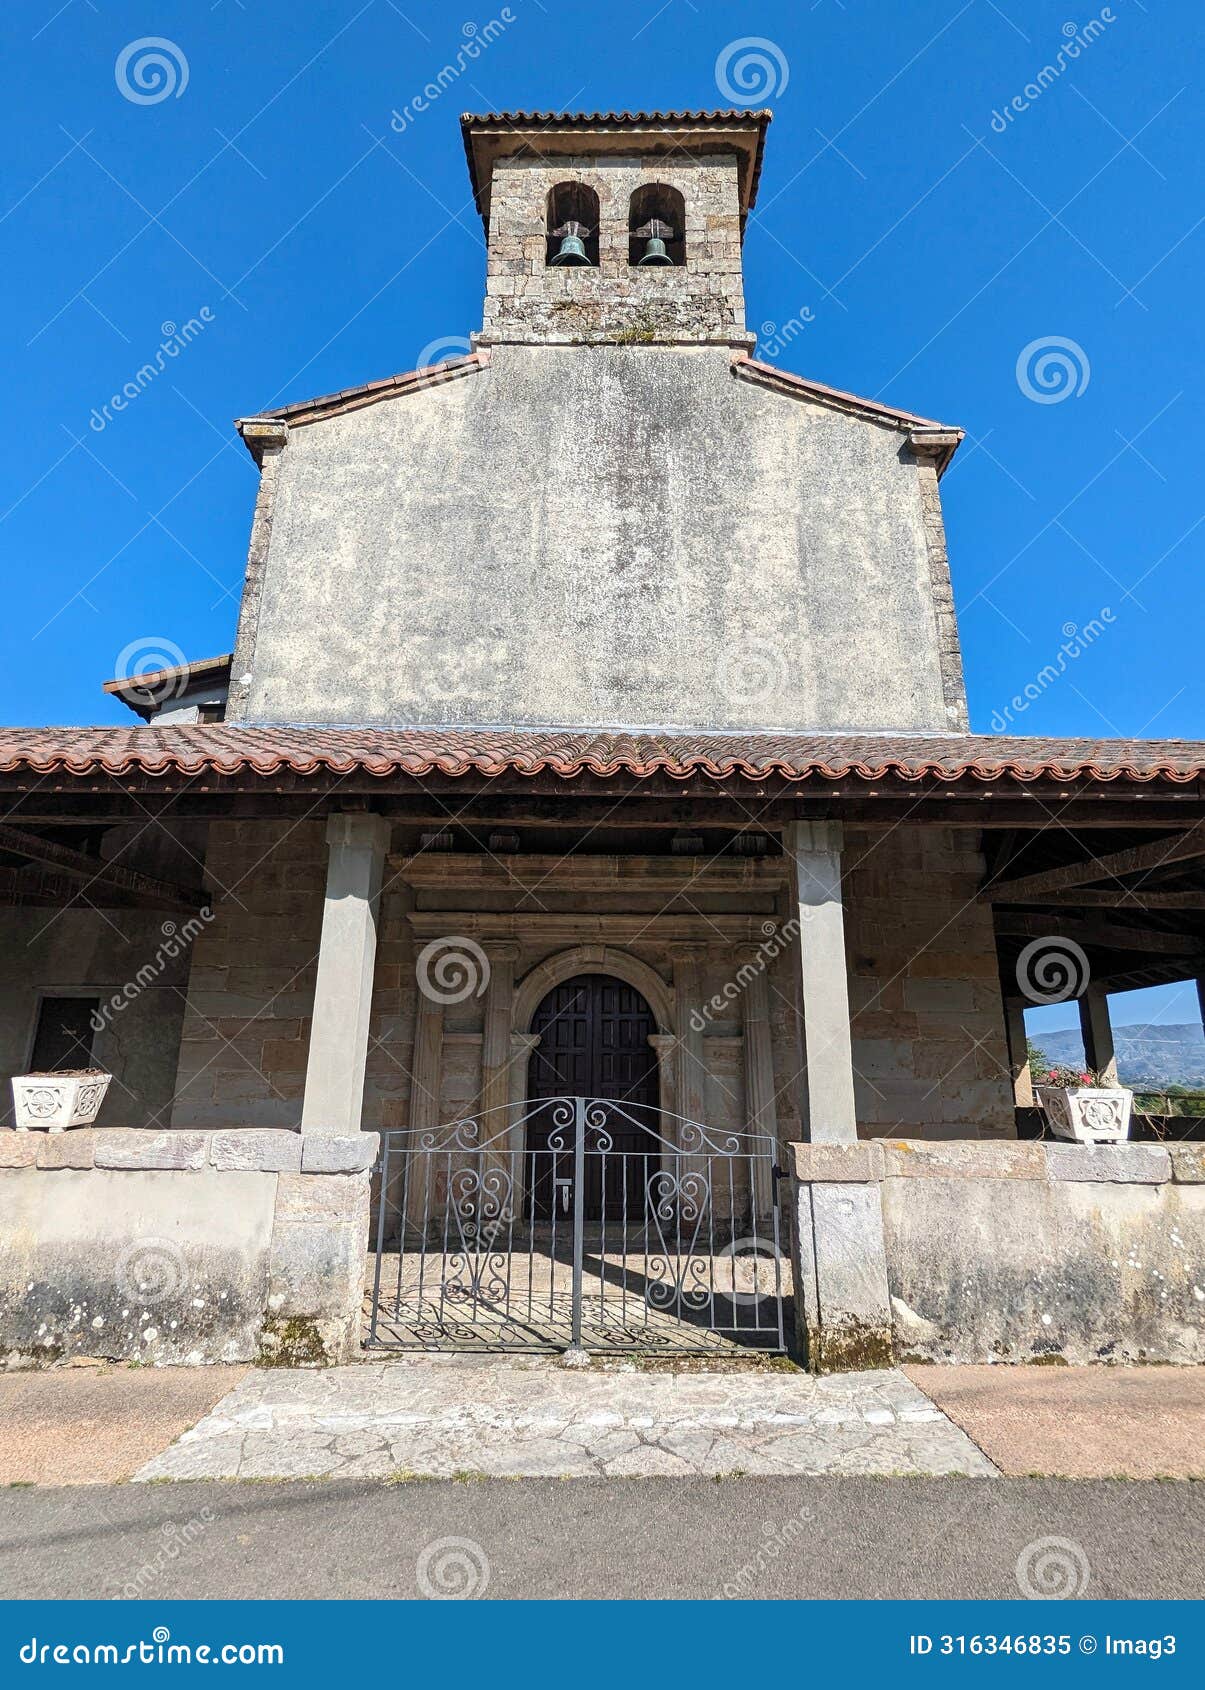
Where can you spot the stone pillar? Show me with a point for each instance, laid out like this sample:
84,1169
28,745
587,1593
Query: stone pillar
496,1049
1018,1053
760,1110
690,1095
829,1109
521,1047
426,1073
1097,1030
839,1257
334,1075
665,1044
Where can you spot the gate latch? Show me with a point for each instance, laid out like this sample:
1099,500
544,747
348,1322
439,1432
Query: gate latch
565,1186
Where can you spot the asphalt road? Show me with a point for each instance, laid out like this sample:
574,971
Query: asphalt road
765,1537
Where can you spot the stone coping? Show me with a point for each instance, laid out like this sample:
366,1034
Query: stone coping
269,1150
871,1160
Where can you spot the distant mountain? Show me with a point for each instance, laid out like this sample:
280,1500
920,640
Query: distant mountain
1147,1057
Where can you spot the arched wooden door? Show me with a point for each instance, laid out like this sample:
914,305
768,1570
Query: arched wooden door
594,1042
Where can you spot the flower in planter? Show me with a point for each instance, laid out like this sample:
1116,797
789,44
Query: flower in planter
1071,1078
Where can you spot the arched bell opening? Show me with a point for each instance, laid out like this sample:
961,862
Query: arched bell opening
572,227
656,227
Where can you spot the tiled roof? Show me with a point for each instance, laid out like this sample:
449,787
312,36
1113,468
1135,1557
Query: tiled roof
352,398
156,679
227,749
615,119
482,142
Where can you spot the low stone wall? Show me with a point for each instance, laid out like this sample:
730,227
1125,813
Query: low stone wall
182,1247
999,1252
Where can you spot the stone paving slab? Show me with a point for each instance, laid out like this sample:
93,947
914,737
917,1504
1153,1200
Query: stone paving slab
531,1417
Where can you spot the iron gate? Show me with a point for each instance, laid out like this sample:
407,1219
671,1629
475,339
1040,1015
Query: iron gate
576,1223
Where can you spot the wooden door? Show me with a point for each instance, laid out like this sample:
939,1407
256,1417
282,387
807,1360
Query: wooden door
594,1042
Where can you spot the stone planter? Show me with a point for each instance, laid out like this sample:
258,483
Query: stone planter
1087,1114
54,1102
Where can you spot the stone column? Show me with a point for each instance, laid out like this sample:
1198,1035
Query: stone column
426,1074
521,1047
496,1048
1097,1030
760,1110
334,1075
665,1044
690,1095
829,1109
1018,1049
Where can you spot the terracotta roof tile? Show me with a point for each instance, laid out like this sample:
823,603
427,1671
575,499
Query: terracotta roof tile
228,749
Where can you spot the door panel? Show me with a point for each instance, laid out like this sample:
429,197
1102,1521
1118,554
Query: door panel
594,1032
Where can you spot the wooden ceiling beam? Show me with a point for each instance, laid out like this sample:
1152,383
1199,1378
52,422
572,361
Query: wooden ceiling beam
1136,859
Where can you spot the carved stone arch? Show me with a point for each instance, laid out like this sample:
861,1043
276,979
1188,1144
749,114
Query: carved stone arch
593,959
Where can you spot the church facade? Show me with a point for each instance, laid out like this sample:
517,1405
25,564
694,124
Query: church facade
594,727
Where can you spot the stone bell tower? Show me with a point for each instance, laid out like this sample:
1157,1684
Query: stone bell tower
615,227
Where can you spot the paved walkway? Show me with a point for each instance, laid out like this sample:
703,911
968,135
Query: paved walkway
1078,1422
501,1417
93,1425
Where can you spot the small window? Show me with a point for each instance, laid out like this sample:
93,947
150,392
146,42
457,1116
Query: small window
64,1035
572,229
656,227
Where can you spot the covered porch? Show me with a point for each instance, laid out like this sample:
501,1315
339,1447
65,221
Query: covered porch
420,933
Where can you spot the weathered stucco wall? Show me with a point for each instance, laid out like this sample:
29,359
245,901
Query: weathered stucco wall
1022,1252
181,1248
591,535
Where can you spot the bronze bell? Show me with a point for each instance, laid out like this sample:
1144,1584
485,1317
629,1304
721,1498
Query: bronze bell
571,254
655,234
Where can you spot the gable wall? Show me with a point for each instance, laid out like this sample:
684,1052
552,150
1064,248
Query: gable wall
619,535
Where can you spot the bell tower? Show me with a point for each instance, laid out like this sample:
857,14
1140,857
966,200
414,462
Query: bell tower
621,228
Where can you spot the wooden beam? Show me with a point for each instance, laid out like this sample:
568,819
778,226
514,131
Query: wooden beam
1136,902
1138,859
1097,934
100,875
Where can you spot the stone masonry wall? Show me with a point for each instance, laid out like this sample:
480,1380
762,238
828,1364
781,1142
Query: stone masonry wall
927,1017
700,300
182,1248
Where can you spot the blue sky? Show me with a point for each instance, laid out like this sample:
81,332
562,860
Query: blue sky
918,239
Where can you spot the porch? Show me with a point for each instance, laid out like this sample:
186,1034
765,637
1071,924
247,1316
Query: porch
369,940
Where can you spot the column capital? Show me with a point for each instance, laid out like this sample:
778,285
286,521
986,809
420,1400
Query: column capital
503,950
820,837
358,828
525,1041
